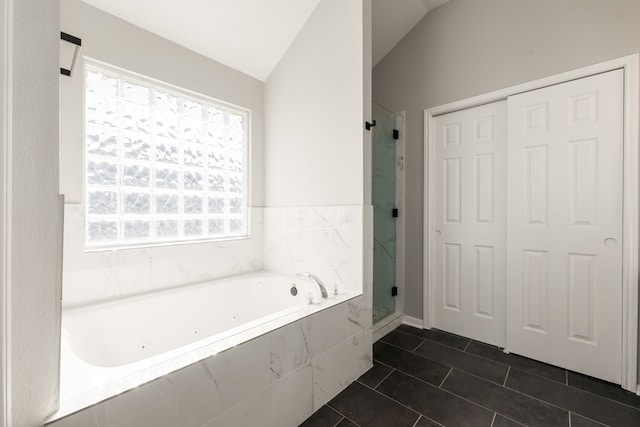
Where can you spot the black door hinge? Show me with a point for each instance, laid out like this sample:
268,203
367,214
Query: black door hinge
394,212
396,134
394,291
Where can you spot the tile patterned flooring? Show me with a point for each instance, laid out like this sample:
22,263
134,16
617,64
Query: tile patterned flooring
426,378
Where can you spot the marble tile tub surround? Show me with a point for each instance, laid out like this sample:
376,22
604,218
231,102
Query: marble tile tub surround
83,384
332,365
93,276
277,379
325,240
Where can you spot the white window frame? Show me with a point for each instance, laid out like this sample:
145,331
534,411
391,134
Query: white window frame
121,242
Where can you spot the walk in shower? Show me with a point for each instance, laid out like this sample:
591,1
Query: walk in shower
385,211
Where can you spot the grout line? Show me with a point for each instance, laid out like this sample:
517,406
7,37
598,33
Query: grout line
398,402
494,419
504,384
527,371
490,382
350,420
531,372
516,391
428,419
416,347
467,399
382,363
464,351
506,364
407,334
447,366
538,399
443,363
343,416
445,378
603,397
438,342
334,410
609,399
456,395
385,377
585,417
511,419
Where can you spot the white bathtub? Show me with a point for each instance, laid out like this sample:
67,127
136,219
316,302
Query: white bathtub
113,346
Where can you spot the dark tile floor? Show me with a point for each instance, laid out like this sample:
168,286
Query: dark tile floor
426,378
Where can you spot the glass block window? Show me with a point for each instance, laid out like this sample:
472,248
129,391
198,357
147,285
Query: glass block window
162,165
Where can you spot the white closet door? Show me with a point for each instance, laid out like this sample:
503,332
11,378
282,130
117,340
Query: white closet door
469,222
564,239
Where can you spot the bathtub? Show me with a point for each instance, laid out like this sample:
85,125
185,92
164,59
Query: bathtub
110,347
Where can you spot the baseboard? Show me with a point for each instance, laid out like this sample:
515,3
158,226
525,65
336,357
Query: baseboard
413,321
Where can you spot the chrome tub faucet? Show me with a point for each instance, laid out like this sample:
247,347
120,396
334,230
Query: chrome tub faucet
315,279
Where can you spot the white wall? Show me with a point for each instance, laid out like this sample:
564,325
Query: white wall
470,47
314,149
367,92
34,213
4,163
99,275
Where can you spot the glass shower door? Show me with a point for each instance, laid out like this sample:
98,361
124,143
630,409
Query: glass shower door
384,201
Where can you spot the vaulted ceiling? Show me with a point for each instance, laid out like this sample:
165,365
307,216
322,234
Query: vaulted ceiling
252,35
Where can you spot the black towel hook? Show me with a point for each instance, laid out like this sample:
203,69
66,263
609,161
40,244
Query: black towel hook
368,125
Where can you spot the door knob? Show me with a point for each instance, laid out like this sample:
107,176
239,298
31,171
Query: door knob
610,241
438,233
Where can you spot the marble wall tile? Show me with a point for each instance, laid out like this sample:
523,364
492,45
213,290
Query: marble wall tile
335,369
84,418
328,328
91,276
129,405
285,403
201,391
360,315
162,415
289,348
326,241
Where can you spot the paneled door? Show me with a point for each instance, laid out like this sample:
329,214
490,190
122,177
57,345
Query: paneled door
469,222
564,238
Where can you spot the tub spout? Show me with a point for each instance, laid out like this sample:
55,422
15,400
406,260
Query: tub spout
317,281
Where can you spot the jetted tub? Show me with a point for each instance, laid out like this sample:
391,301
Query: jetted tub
110,347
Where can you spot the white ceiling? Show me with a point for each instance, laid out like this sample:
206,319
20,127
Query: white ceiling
252,35
248,35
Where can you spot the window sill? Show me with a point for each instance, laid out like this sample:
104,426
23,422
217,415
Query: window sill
165,244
